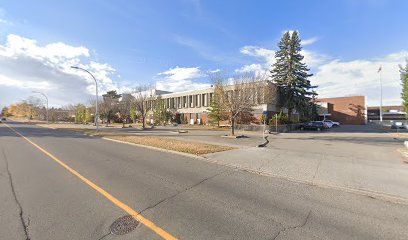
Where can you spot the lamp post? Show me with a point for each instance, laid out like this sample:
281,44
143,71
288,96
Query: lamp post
96,94
381,94
46,98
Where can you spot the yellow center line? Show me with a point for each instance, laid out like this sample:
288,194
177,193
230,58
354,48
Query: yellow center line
107,195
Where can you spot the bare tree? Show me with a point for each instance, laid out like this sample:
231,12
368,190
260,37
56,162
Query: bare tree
91,107
109,105
124,107
239,93
36,108
71,110
143,96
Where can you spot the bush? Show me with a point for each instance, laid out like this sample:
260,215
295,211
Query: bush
282,119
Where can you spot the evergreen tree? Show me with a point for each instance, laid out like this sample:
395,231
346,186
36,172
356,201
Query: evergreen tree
133,114
291,75
80,113
215,112
160,114
109,104
404,83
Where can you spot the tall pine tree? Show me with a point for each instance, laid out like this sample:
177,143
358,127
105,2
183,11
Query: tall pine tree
291,75
404,83
215,114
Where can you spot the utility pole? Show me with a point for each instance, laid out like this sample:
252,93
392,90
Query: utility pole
46,98
381,93
96,95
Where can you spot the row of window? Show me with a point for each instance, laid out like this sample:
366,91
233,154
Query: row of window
190,101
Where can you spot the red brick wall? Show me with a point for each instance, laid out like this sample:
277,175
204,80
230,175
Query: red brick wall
347,110
204,118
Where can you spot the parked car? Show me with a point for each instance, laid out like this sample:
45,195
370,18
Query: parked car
331,124
398,125
314,125
3,119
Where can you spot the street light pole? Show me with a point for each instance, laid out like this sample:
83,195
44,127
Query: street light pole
381,93
96,94
46,98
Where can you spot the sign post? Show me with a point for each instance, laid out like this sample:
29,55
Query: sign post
265,115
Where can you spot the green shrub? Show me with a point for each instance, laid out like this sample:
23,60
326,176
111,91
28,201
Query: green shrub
282,119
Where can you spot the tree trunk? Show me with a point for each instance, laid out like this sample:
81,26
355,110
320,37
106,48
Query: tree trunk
233,126
290,114
143,122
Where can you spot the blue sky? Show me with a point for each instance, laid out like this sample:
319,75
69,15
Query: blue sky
173,44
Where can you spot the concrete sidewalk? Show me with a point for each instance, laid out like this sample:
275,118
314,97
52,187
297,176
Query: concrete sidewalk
388,177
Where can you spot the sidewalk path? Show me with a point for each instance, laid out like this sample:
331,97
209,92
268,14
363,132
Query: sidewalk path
362,161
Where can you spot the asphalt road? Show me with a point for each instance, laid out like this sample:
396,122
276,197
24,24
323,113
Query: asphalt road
185,198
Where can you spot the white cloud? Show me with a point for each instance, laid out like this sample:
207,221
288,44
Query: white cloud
25,66
181,79
4,21
260,53
266,58
314,59
214,71
37,85
335,77
309,41
181,73
360,77
255,68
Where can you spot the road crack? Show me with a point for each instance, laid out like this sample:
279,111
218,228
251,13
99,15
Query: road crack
284,229
323,157
182,191
21,213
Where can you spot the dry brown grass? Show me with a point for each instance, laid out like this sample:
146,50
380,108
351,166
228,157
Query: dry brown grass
205,127
83,126
401,135
172,144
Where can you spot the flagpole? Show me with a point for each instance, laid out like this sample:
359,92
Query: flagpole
381,93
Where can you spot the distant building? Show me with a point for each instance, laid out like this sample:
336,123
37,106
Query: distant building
390,113
346,110
192,106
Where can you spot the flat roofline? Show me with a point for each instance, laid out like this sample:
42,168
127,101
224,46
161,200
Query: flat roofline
317,99
186,92
385,106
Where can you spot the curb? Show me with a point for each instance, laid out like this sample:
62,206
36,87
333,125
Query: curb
47,127
404,152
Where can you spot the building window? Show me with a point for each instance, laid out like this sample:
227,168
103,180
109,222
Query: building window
203,100
198,103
